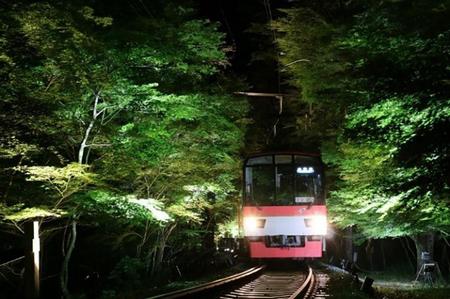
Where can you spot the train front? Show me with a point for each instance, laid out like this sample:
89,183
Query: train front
284,213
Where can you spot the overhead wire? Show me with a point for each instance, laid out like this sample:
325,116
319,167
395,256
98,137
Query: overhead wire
269,15
227,25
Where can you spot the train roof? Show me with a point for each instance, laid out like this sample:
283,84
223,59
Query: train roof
283,152
305,155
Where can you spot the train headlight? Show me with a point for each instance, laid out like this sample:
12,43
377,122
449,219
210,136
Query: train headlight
252,223
318,224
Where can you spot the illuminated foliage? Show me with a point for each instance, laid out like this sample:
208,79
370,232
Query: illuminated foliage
378,74
115,121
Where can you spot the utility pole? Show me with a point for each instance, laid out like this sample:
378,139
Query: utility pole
32,262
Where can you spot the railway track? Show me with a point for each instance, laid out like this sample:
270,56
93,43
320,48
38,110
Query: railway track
275,284
254,283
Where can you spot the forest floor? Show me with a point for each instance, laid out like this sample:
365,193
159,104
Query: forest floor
413,293
340,285
397,285
208,277
407,288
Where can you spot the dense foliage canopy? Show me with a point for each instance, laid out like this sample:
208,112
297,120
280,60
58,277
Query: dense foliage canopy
123,126
378,74
120,135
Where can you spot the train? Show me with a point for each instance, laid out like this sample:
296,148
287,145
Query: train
284,214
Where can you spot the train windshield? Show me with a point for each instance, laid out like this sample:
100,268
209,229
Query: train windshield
283,180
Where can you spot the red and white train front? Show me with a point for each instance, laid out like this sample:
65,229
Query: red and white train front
284,213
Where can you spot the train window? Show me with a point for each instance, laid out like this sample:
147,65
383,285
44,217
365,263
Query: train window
283,159
304,160
260,160
259,184
308,186
284,181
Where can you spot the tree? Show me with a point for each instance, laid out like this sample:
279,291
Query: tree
391,156
377,73
317,69
112,120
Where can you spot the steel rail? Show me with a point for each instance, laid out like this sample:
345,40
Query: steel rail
210,285
275,285
307,286
12,261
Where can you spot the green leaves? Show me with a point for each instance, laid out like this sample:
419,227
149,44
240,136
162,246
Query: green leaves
203,46
34,213
308,47
136,99
100,206
313,62
61,182
391,152
177,57
60,177
88,13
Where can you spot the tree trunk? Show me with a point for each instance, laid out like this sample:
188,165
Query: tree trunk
95,115
411,251
209,225
64,281
444,257
65,267
407,254
383,255
430,244
158,252
349,244
83,144
423,243
369,253
419,249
